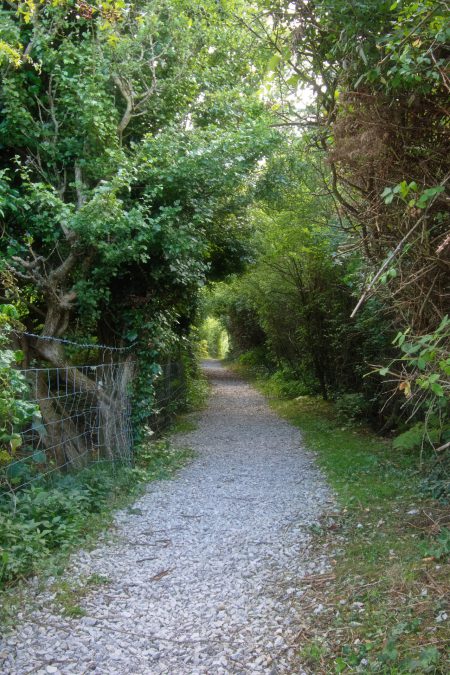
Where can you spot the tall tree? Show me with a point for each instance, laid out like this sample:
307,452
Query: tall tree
127,131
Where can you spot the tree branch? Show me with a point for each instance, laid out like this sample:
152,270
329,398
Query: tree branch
79,186
127,94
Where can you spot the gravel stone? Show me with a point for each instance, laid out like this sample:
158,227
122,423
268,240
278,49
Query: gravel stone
231,533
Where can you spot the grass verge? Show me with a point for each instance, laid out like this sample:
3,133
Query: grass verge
384,608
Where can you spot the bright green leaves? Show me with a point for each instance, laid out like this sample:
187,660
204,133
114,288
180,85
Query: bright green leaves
9,54
273,63
427,195
404,191
197,180
425,366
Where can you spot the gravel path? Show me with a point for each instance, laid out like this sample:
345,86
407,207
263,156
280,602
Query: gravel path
205,569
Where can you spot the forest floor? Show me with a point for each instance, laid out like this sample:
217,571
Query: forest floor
203,574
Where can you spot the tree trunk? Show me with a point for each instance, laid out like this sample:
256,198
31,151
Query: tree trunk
61,437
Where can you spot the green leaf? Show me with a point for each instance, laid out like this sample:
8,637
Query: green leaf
15,442
340,665
293,80
437,389
273,63
362,54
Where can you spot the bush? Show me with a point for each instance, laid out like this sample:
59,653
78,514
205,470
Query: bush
436,484
15,408
419,436
285,384
253,357
50,516
351,408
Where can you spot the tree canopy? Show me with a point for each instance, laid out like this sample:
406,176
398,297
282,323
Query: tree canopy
151,148
126,145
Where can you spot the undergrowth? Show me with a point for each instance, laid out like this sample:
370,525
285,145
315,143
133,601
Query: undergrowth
384,608
41,525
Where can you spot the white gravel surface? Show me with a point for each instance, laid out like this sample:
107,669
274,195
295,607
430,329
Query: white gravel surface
205,569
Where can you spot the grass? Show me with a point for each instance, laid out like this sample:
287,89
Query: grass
385,604
182,425
69,595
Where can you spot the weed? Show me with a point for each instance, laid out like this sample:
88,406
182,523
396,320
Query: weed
69,596
313,653
98,580
351,408
74,611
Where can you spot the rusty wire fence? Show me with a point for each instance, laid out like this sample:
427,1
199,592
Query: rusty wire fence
83,415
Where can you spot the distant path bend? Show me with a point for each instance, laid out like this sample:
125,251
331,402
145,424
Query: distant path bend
206,568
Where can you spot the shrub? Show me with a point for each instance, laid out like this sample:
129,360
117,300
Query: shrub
49,516
351,408
287,385
15,408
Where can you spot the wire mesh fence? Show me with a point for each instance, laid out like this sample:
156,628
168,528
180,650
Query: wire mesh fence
83,415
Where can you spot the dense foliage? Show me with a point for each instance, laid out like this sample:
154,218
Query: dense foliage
51,516
127,133
357,258
132,136
379,73
177,174
181,178
292,308
15,408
